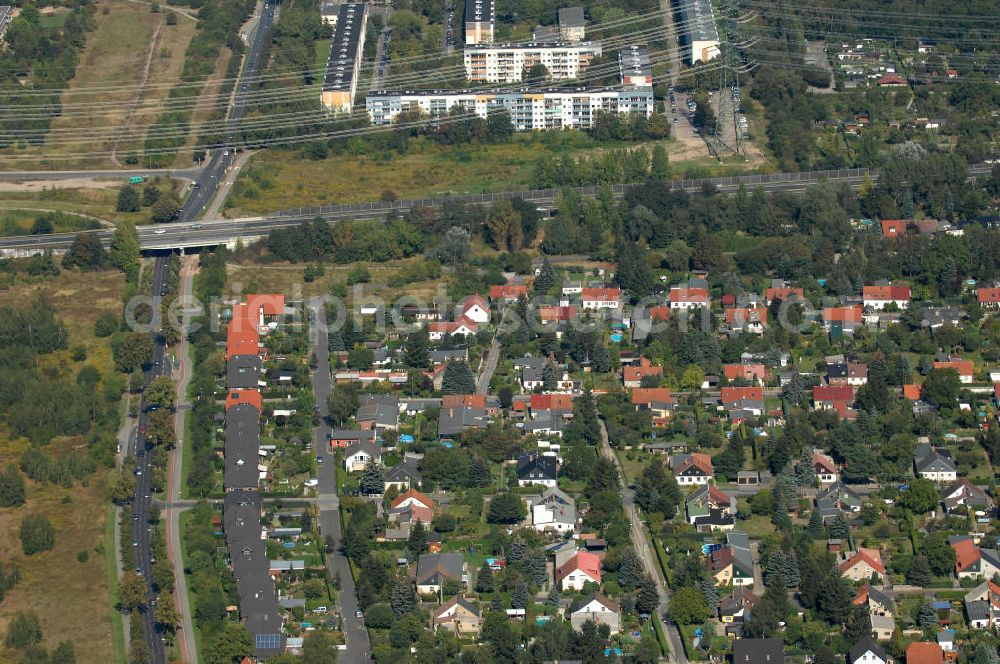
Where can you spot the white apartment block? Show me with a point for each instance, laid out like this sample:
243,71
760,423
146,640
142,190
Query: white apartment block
553,108
506,63
480,20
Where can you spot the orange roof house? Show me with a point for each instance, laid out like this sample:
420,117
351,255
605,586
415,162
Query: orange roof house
266,305
648,395
581,568
508,291
966,554
632,376
250,397
744,316
744,372
412,497
782,293
892,79
554,314
463,401
591,297
893,228
863,564
964,368
847,317
736,394
988,297
912,391
551,402
681,296
884,294
924,652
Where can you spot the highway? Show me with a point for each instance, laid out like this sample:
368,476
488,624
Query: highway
189,234
207,182
144,477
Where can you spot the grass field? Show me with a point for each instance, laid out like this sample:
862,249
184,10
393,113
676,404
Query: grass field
96,202
280,179
113,64
20,222
72,599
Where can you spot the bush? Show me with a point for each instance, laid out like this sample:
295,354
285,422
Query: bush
37,534
379,616
106,325
82,557
359,274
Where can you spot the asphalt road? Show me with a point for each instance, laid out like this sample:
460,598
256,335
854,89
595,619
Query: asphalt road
188,173
207,183
143,481
358,644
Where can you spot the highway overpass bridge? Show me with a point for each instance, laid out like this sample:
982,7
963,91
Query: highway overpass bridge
210,233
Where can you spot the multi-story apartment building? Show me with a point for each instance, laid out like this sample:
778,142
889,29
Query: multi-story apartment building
344,63
507,63
480,20
698,31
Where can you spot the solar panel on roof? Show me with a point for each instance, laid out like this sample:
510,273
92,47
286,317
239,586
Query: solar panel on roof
268,641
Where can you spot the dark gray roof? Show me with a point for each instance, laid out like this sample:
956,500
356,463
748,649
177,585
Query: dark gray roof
243,371
758,651
352,434
977,610
480,11
241,516
445,355
571,17
242,446
536,467
863,646
381,414
934,460
634,61
431,567
347,39
404,470
371,449
453,421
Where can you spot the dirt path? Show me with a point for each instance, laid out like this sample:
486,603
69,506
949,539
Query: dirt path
138,94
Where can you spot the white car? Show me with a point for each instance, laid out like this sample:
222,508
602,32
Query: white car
311,482
159,231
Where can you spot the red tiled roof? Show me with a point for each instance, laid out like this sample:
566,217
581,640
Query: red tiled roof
463,401
251,397
892,79
551,401
783,293
924,652
631,374
842,314
833,393
648,395
554,313
988,295
886,293
269,305
733,394
911,391
962,367
601,294
588,563
685,294
870,556
412,493
966,554
745,315
745,371
508,291
893,227
475,299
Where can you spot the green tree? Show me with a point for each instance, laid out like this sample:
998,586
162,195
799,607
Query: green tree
342,403
403,599
134,351
859,624
124,253
939,553
484,580
648,598
150,193
86,252
131,591
919,573
161,393
319,648
519,598
458,379
64,653
659,164
372,478
922,496
927,617
37,534
417,542
23,631
941,387
128,200
166,209
11,487
688,607
630,572
986,653
42,226
166,616
230,645
416,348
506,508
546,277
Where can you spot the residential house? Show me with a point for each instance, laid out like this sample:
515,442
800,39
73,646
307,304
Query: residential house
632,375
838,499
746,319
982,605
446,355
553,510
880,296
692,295
706,498
584,567
780,290
747,399
824,467
964,368
404,475
847,373
752,481
463,327
733,563
863,564
594,299
934,464
692,468
434,568
965,493
453,421
508,292
414,499
878,602
988,297
946,639
474,308
924,652
378,411
752,373
737,605
657,400
598,609
893,228
458,615
844,319
973,562
342,438
536,469
357,455
838,398
572,287
759,651
935,317
867,651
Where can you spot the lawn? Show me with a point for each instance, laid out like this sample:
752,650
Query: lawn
97,201
113,61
